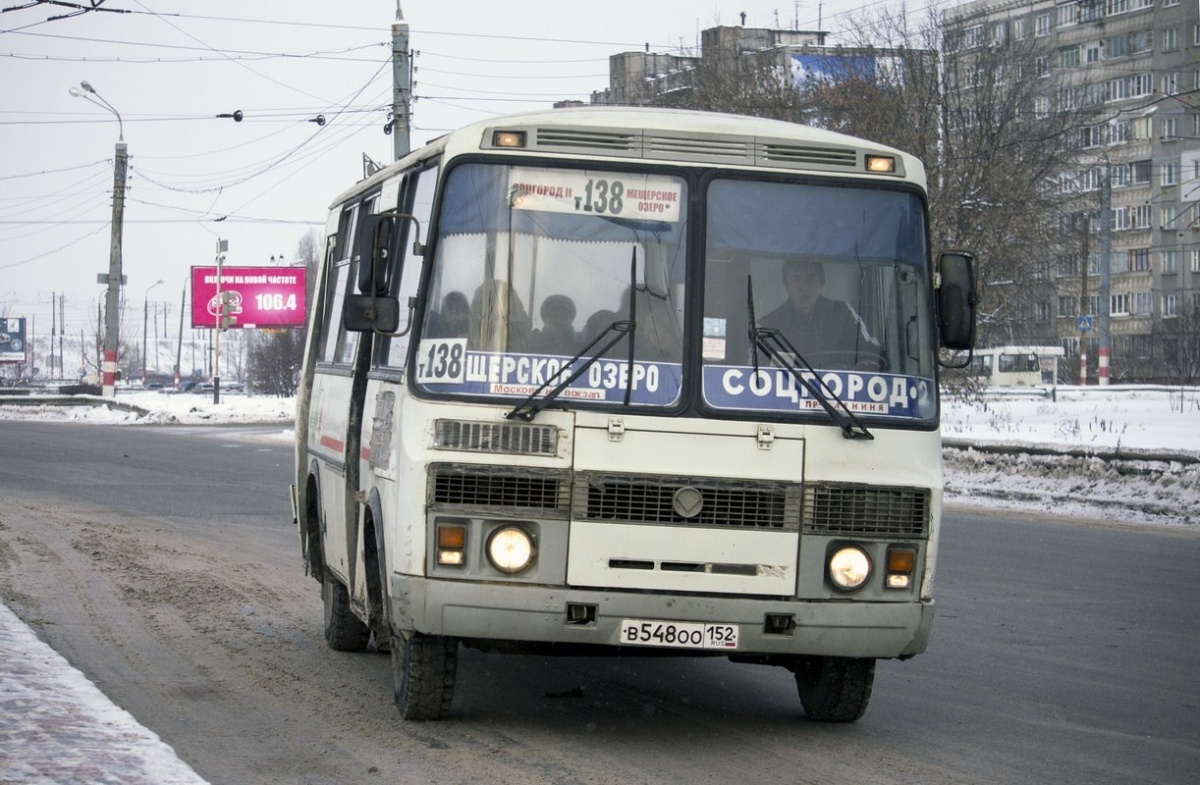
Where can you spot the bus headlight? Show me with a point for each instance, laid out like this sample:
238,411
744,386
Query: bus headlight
510,549
849,567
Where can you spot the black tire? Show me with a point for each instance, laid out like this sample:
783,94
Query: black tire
424,669
834,689
343,630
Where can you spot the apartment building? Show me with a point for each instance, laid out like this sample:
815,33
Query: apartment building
1137,63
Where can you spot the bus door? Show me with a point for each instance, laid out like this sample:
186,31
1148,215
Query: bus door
380,455
333,436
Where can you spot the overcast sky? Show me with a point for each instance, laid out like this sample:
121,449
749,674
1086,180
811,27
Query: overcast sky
169,67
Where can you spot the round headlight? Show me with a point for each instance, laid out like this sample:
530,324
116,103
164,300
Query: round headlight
849,567
510,549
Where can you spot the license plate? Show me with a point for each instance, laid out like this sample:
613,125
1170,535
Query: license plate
678,634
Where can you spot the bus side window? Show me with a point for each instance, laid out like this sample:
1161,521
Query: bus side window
346,343
421,186
336,281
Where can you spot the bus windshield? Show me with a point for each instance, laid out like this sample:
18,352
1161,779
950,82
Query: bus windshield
835,281
532,264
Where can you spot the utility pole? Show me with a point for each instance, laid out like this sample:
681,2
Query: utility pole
1105,271
114,279
179,346
1083,302
222,247
401,87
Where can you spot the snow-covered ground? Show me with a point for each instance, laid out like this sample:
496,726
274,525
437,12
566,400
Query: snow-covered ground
1118,453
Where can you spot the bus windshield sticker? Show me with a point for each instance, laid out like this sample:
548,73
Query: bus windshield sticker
510,375
599,194
441,360
776,390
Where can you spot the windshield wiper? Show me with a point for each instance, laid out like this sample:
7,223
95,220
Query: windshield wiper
529,408
780,349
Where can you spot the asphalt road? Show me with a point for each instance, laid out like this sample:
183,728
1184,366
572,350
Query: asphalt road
161,561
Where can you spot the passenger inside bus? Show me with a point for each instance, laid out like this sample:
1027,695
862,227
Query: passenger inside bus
827,332
558,334
453,320
499,321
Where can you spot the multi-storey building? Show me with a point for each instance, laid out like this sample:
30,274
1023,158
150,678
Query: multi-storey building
1137,63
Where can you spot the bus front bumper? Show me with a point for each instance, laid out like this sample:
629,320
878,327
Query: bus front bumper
539,614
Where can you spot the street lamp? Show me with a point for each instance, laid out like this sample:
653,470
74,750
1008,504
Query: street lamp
145,319
113,279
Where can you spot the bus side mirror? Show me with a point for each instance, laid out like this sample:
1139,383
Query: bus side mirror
365,313
957,300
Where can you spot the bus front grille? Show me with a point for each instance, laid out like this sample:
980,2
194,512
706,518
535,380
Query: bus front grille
461,487
687,501
865,510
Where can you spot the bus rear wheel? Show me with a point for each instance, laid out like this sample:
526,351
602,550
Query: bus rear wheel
343,630
424,670
834,689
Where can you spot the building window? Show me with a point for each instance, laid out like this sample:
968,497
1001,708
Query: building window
1041,66
1042,25
1170,3
1068,14
1170,260
1170,83
1068,307
1092,52
1170,306
1170,39
1139,259
1196,260
973,37
1120,218
999,34
1118,7
1118,46
1142,302
1141,84
1168,215
1139,216
1139,173
1119,304
1168,127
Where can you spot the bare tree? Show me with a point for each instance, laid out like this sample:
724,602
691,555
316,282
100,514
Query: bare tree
1178,345
274,357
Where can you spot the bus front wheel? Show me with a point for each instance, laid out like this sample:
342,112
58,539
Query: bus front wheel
834,689
424,669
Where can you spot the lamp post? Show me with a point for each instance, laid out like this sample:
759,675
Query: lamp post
145,320
114,279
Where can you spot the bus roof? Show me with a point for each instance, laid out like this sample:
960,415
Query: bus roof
668,135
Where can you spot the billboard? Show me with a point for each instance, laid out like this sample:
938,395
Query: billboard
12,340
257,296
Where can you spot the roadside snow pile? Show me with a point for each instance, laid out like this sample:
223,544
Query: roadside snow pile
1056,485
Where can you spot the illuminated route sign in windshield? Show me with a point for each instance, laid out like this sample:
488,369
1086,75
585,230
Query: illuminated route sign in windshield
256,296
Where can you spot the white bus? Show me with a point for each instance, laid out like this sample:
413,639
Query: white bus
553,400
1017,366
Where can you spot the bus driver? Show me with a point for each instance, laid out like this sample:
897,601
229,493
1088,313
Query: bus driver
825,331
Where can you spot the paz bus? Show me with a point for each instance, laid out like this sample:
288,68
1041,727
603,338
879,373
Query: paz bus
1017,366
542,408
